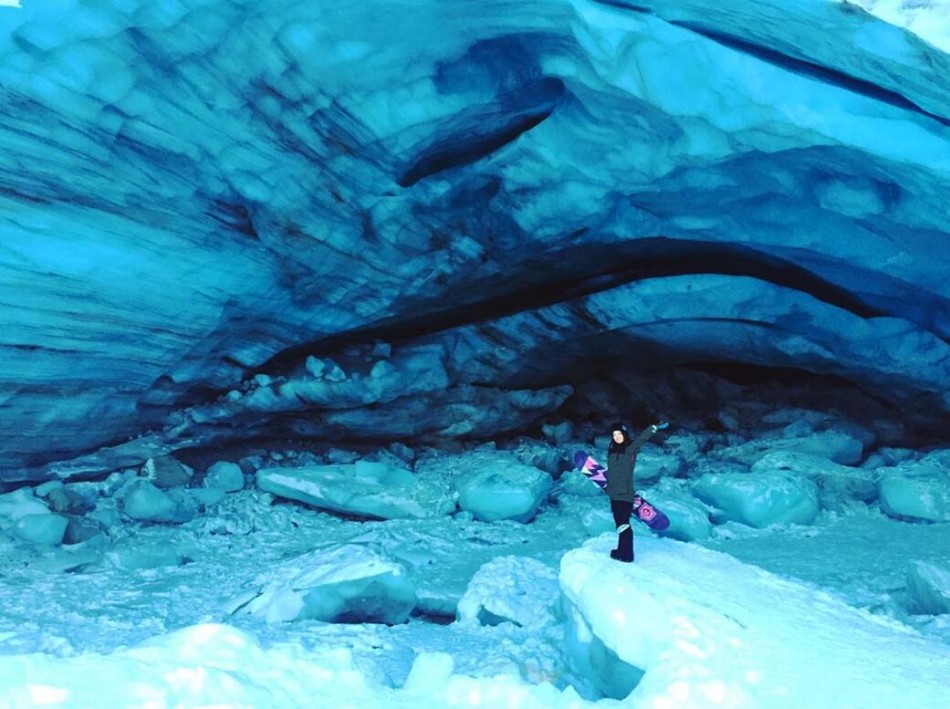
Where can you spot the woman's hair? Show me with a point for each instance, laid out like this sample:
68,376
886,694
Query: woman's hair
614,446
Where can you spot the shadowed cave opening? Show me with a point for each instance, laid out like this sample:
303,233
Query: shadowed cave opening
572,273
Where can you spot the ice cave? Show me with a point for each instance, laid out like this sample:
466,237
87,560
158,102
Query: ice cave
307,307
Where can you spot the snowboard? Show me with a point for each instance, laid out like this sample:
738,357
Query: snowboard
642,508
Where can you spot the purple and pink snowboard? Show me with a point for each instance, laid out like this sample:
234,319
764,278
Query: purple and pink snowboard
644,511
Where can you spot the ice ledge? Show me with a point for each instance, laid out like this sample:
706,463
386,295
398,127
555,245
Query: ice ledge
707,630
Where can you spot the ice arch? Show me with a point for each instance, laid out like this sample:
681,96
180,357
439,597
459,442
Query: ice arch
195,190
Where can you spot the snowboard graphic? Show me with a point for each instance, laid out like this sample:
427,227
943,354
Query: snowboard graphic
643,510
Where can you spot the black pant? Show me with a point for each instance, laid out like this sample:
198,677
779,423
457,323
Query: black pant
622,511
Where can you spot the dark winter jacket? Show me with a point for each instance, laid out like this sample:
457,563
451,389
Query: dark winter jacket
621,460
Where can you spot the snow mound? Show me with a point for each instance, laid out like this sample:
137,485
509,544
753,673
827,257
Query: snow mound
346,584
704,629
365,489
760,499
202,665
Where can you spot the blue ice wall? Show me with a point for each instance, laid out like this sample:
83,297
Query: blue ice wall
195,190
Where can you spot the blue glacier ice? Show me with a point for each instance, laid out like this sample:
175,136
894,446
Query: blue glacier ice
226,221
307,306
929,585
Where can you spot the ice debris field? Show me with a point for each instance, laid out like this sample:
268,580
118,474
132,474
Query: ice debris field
482,578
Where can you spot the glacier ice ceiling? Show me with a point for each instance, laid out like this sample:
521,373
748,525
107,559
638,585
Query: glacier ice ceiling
229,219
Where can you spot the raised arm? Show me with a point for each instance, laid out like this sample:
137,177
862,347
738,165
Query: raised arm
645,435
648,433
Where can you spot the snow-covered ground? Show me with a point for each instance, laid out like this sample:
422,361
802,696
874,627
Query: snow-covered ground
258,600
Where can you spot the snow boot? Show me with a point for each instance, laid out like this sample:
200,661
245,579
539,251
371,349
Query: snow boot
615,554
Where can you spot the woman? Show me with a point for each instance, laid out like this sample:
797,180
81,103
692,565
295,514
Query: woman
621,460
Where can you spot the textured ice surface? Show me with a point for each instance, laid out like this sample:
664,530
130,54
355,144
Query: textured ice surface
145,502
512,492
363,488
918,490
667,616
837,484
42,528
196,192
256,602
224,476
929,587
512,590
760,499
346,584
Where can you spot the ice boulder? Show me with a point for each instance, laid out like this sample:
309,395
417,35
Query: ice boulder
929,587
589,653
20,503
67,501
916,491
558,433
81,529
511,589
166,472
689,519
144,502
837,446
836,483
46,529
205,497
345,584
574,482
594,518
888,457
503,491
364,489
653,464
225,476
699,628
543,457
840,447
760,499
